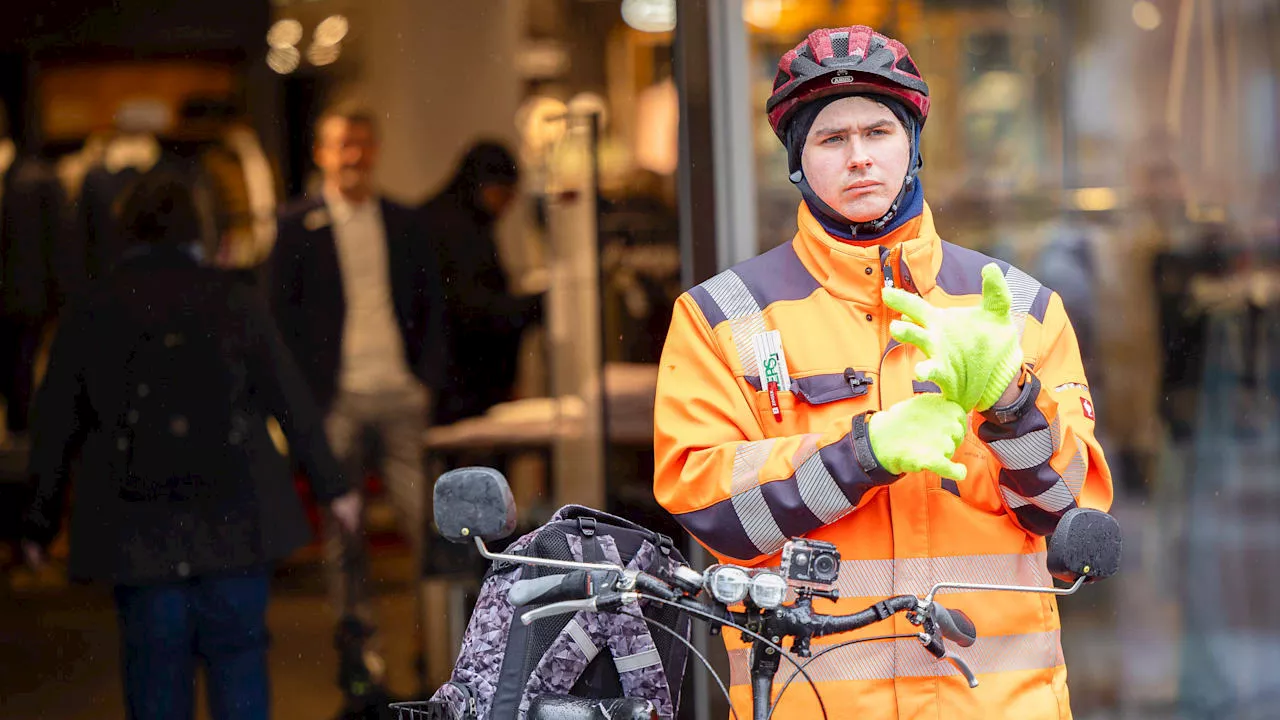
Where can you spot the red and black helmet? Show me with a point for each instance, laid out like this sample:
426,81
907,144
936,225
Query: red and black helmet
845,61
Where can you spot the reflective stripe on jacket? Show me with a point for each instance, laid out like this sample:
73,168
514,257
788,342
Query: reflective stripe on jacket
742,479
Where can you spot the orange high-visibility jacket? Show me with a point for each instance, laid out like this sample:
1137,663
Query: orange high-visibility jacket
742,480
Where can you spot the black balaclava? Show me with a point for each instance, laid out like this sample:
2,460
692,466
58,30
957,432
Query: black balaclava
910,200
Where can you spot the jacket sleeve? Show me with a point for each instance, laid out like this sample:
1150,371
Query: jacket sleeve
740,494
283,287
287,397
1049,459
61,421
434,312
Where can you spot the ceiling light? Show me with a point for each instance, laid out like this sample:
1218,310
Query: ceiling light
284,33
321,55
1146,15
283,60
332,30
650,15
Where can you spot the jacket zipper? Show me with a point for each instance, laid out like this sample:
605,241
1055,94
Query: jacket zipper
887,262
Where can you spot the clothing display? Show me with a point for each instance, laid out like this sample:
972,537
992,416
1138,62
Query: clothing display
229,176
36,273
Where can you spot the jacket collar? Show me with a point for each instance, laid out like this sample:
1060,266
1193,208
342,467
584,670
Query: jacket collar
912,254
341,209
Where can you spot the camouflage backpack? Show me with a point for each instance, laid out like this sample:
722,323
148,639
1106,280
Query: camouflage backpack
504,664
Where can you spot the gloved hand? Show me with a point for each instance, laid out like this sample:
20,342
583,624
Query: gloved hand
974,352
921,433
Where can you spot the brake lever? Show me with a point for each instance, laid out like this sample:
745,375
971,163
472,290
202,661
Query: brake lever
937,648
962,666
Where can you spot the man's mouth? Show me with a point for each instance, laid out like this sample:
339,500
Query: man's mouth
861,185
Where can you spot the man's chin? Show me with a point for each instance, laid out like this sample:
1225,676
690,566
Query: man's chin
354,187
863,215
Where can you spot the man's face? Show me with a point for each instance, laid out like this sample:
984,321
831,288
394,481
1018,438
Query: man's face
345,152
855,157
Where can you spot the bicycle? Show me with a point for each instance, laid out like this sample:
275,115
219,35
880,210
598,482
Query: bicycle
1085,548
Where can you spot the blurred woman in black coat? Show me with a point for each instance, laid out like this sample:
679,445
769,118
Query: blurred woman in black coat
161,381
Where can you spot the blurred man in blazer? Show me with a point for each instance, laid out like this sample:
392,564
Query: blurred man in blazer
358,296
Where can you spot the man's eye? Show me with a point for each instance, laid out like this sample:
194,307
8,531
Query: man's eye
833,139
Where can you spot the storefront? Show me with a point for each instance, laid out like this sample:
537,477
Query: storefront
1122,152
1125,153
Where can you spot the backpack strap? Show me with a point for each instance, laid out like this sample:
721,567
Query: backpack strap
623,633
591,551
635,654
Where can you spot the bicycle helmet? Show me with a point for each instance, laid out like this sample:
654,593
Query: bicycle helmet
845,61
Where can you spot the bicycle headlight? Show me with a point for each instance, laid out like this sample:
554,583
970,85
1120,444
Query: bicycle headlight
728,584
768,590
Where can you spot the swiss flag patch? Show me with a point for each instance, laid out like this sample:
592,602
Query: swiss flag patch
1088,408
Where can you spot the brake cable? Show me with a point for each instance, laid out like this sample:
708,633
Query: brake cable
826,650
750,633
706,663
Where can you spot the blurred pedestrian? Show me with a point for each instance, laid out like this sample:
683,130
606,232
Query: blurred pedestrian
485,319
358,297
163,380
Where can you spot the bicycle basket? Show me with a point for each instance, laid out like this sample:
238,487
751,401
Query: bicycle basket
422,710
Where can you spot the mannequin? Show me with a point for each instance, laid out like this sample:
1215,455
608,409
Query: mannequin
127,155
33,277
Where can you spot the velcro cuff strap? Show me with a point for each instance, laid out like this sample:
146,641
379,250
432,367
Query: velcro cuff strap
862,446
1006,414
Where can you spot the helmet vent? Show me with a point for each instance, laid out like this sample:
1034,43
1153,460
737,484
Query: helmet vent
840,44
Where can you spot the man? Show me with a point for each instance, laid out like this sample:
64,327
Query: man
792,401
161,380
485,319
358,297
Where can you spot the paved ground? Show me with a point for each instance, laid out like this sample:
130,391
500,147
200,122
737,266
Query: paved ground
58,647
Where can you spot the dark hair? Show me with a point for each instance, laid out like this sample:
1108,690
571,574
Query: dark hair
489,163
350,112
159,208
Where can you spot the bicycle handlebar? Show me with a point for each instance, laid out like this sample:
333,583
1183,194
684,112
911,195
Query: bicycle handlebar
955,625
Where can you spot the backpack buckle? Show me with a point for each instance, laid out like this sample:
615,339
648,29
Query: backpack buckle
665,545
587,525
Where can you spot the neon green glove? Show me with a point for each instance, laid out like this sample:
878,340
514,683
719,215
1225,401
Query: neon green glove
921,433
974,352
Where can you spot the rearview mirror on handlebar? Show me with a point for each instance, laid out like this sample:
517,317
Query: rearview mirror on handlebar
474,502
1087,543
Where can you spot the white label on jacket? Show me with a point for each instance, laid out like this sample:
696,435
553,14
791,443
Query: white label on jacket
770,362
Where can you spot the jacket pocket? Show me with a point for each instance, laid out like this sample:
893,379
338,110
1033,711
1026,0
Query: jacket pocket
832,387
812,401
825,388
786,421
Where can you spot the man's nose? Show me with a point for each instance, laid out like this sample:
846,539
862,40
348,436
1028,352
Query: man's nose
858,155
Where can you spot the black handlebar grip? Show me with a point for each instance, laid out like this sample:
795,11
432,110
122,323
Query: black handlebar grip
955,626
575,585
526,592
652,585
